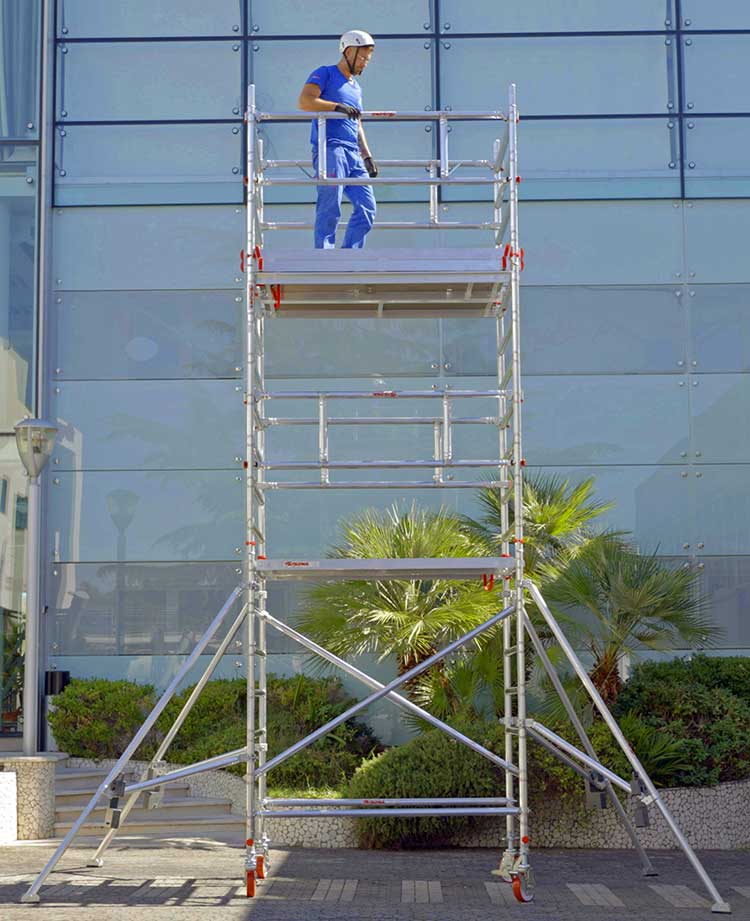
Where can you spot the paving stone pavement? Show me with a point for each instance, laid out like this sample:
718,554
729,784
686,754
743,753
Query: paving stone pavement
201,880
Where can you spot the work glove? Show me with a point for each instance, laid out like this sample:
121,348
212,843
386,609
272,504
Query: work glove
349,111
372,167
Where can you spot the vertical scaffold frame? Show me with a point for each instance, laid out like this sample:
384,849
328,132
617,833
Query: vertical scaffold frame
425,283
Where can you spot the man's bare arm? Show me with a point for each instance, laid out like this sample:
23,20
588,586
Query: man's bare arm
310,101
364,148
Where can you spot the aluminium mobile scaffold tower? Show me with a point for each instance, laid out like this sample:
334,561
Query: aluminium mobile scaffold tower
383,283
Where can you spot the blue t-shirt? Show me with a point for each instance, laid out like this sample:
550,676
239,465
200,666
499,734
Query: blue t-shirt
336,88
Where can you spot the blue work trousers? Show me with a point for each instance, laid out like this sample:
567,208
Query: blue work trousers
343,162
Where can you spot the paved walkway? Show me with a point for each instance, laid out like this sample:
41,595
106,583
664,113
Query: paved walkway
202,881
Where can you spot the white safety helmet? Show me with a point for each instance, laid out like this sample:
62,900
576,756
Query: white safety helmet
355,38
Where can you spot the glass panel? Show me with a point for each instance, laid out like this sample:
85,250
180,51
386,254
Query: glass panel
630,419
594,158
341,348
588,243
560,76
725,581
723,508
149,425
270,18
136,609
580,330
716,241
717,70
172,248
149,80
174,515
593,419
542,16
716,156
19,81
722,14
98,335
720,327
13,485
655,504
93,19
383,83
717,401
17,281
146,164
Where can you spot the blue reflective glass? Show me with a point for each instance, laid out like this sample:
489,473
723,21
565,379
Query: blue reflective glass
716,155
19,53
383,83
597,419
578,330
723,503
145,164
135,609
724,14
716,234
725,582
98,249
148,425
100,335
594,158
342,348
560,76
387,16
173,515
655,504
717,402
717,69
542,16
94,19
592,419
588,243
720,327
149,80
17,281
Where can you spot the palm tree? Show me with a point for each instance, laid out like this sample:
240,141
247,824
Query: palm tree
621,602
557,516
408,620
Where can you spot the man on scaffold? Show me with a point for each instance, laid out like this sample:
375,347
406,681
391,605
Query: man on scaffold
333,88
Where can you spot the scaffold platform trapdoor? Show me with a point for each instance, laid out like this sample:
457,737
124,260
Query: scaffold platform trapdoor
283,285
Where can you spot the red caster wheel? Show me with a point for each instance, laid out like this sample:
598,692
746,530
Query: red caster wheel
260,866
250,882
521,889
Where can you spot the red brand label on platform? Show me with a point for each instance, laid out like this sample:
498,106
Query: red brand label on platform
296,563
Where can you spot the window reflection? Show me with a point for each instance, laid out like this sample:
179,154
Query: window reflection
17,252
12,596
19,38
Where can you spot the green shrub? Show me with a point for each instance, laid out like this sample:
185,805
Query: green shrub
714,722
97,718
432,765
729,672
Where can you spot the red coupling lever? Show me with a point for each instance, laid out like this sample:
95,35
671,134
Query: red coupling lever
488,582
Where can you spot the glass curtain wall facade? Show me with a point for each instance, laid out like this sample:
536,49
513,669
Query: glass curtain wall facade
635,302
19,147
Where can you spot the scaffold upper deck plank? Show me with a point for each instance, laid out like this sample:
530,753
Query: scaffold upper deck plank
419,568
379,282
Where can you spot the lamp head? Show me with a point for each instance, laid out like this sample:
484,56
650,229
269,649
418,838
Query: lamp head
35,439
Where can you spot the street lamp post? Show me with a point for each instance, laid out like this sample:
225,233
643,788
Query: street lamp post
35,439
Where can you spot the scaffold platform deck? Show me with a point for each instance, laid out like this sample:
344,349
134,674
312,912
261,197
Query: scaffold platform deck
382,282
338,569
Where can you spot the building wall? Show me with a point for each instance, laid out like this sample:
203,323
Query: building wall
636,324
